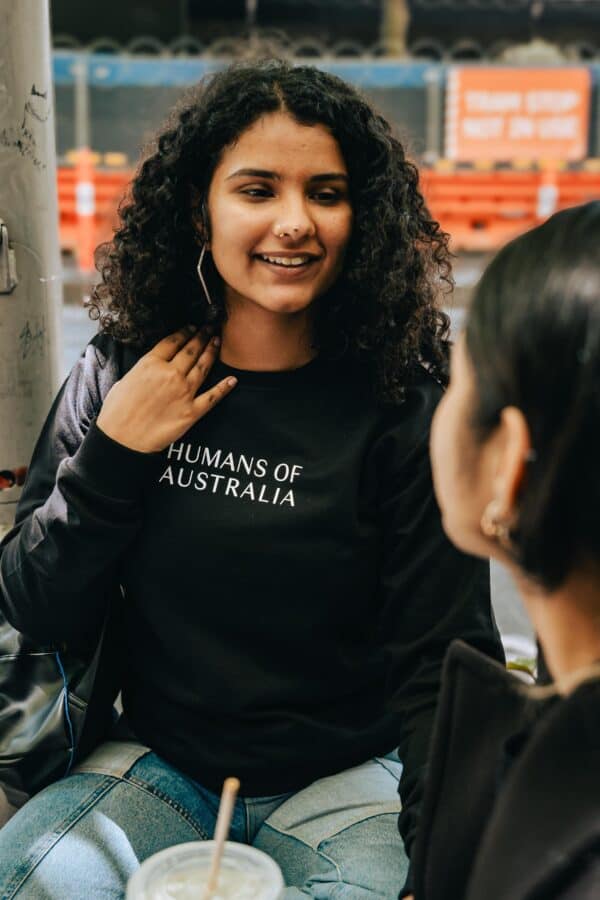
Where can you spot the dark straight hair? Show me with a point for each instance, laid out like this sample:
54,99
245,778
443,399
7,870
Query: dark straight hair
533,336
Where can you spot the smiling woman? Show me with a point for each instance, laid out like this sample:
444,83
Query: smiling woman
241,455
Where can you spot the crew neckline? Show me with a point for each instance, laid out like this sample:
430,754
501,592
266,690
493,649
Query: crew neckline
308,373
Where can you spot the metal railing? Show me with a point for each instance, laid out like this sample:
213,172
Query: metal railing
279,43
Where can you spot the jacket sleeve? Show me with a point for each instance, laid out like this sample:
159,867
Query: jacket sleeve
430,592
581,881
79,510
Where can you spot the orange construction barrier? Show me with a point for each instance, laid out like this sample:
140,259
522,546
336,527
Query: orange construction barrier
88,200
482,210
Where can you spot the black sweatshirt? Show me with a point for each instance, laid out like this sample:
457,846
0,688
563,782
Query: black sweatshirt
289,592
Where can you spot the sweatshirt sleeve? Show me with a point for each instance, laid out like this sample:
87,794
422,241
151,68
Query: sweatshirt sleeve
430,592
79,510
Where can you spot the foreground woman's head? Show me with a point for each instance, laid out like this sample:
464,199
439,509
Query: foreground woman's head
516,440
373,292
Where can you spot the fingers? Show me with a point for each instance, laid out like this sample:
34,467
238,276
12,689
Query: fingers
206,401
201,363
188,351
168,348
186,359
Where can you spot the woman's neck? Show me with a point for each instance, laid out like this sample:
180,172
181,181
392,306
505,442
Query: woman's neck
261,340
567,621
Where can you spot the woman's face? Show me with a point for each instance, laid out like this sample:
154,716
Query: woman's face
463,474
280,215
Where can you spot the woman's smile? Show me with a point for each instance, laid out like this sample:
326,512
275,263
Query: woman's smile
288,265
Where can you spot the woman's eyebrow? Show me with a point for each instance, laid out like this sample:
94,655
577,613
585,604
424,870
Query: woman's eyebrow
258,173
265,173
330,176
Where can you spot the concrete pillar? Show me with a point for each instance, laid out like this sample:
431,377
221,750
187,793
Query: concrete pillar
434,88
396,19
31,293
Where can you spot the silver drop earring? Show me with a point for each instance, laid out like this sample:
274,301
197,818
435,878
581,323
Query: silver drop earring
201,276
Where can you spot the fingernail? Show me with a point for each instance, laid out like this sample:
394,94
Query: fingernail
216,341
231,382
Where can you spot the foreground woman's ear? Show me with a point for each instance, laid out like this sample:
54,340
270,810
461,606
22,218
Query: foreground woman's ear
511,450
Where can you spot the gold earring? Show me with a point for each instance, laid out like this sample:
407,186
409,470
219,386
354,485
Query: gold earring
492,524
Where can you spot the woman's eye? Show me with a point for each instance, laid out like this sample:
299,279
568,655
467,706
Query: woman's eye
258,192
327,196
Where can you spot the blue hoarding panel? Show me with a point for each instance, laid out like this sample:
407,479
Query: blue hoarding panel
106,70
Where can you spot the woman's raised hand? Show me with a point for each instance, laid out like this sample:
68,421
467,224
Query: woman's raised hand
155,402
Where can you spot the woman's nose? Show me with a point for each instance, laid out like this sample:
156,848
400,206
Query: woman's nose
294,223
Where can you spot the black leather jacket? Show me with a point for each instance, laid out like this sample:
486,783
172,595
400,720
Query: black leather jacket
512,804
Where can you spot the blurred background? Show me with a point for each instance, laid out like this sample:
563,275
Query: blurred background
498,101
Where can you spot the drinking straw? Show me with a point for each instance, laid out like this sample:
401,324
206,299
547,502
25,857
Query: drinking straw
230,789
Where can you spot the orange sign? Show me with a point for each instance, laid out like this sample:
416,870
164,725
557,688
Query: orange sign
502,114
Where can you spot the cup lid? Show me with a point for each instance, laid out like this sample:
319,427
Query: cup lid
157,877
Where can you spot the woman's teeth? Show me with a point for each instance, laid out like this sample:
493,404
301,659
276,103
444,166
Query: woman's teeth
287,261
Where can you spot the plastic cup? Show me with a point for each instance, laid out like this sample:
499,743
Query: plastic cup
181,873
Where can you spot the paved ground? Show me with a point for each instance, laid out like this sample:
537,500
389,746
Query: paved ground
515,629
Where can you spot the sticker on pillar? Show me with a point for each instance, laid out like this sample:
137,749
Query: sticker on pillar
11,477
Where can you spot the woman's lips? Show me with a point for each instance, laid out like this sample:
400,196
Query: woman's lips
287,271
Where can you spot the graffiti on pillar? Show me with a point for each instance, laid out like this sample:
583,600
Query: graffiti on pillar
31,339
21,138
39,111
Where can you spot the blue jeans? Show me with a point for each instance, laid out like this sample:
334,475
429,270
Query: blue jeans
85,835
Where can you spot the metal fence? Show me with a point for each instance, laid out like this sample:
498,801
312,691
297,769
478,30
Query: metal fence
432,47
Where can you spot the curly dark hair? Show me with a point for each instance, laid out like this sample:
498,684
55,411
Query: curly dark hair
383,307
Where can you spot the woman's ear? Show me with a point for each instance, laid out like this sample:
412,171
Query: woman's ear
513,452
200,217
